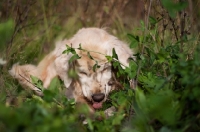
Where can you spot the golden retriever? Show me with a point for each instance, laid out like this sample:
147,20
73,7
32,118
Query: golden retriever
91,86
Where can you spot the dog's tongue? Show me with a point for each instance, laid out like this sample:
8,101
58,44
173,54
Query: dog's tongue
97,105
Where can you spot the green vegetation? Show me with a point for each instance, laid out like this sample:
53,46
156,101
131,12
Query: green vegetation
167,70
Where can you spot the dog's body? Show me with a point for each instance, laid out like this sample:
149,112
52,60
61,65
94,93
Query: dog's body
89,86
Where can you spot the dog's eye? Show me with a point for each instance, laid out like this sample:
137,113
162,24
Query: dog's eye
83,73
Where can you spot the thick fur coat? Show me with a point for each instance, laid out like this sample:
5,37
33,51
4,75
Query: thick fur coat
90,87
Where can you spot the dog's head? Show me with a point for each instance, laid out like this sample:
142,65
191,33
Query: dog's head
94,78
92,84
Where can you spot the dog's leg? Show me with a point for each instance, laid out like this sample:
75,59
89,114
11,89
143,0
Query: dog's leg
23,74
47,69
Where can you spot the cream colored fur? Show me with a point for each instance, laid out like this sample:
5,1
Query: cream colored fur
88,82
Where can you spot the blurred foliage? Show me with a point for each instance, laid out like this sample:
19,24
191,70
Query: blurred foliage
6,31
173,7
167,70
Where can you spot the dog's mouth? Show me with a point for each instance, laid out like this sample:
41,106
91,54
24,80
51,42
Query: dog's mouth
94,105
97,105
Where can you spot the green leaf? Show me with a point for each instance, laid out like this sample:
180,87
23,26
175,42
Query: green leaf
37,82
34,79
74,57
88,54
90,125
69,50
130,92
132,69
95,66
118,119
140,99
48,95
109,58
152,20
114,55
65,52
55,84
134,40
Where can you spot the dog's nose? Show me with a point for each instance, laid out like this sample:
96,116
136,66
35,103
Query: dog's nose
98,97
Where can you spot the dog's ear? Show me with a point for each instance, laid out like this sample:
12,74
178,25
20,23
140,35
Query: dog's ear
62,67
125,55
123,52
62,64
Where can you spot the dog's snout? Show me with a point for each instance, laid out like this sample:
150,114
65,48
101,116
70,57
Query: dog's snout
98,97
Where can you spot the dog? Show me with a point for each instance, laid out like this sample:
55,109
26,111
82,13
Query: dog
91,86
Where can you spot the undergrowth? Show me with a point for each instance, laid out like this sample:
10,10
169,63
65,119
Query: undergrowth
166,71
